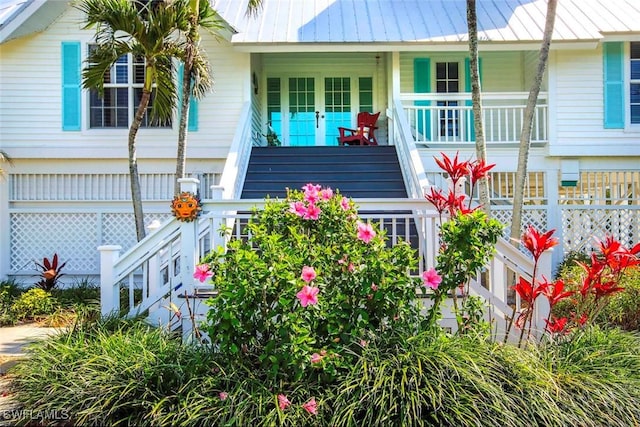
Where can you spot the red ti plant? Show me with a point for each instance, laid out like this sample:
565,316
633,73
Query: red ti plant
50,273
536,243
600,280
457,170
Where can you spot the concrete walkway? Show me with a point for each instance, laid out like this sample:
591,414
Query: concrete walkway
13,339
12,342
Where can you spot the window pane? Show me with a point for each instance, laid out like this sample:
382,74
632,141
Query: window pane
120,70
453,70
635,114
635,70
441,87
635,50
453,86
635,93
441,70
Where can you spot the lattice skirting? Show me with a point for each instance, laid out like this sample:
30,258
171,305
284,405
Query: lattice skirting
73,236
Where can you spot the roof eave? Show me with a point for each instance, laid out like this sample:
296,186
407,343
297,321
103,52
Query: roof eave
33,17
413,46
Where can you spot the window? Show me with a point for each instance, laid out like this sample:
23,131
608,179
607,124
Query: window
448,81
122,93
634,84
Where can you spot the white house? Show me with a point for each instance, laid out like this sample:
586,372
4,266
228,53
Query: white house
67,191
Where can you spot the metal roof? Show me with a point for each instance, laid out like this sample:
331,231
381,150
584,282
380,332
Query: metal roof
400,22
424,21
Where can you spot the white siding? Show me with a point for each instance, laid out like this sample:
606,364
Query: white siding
580,109
501,71
30,106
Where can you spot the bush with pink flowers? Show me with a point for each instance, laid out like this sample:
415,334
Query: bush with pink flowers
312,284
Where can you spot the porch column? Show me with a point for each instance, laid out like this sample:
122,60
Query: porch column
5,224
554,214
109,289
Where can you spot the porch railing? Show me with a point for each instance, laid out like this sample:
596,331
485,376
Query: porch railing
448,117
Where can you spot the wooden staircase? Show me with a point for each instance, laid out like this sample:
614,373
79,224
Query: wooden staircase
357,171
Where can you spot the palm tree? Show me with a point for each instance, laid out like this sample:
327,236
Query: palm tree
144,29
527,123
196,78
481,146
4,158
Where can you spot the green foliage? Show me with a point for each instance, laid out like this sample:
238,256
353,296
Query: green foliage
9,291
364,288
570,261
119,372
33,304
112,372
467,242
622,309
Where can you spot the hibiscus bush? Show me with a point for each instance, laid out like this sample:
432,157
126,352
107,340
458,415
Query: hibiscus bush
309,287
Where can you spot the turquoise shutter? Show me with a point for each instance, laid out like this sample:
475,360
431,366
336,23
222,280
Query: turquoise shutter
613,53
71,86
422,84
467,88
193,103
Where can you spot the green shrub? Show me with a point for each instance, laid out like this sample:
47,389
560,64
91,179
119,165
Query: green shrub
307,285
83,292
33,304
117,372
623,308
9,291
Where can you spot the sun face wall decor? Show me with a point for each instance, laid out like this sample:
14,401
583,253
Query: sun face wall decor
186,206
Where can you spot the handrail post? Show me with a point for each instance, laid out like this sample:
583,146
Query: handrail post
543,309
217,219
109,290
188,257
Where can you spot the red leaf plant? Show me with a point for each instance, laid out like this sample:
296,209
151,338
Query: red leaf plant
601,278
457,170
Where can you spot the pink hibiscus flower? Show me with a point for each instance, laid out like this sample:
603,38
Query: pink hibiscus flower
344,203
283,402
326,194
313,212
298,208
202,273
311,406
311,193
431,278
365,232
308,295
222,395
316,358
308,273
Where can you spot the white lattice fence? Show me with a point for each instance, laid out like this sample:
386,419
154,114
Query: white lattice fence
73,236
583,224
536,217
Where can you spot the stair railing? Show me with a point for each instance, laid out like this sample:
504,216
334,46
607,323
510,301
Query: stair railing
415,178
235,168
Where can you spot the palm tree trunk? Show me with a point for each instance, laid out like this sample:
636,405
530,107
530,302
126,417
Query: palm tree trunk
181,155
476,98
192,40
527,124
136,193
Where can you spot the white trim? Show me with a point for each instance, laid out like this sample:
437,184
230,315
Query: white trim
628,126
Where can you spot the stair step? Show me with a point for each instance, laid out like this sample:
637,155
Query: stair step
357,172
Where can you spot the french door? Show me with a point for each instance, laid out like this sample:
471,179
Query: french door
308,110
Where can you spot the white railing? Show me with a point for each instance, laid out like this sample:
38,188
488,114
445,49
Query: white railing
415,178
448,117
158,271
235,168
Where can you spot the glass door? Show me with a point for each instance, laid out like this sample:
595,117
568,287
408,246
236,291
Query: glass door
307,111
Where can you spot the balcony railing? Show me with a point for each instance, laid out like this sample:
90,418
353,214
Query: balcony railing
448,117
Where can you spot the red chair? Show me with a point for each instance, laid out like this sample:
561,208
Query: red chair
365,132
